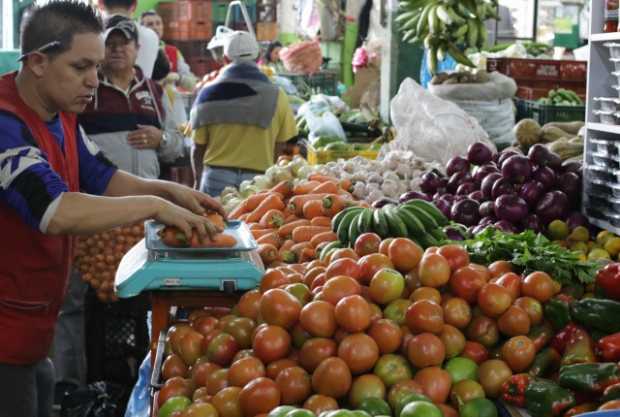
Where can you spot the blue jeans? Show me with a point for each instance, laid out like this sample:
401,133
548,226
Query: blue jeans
215,179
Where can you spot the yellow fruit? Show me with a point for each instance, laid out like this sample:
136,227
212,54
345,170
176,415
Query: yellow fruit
579,234
612,246
558,230
582,257
579,247
603,236
598,254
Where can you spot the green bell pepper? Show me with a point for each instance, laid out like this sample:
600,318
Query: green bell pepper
546,361
597,313
557,311
545,398
589,377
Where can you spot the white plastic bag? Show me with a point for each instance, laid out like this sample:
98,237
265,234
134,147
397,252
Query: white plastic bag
497,118
434,129
320,118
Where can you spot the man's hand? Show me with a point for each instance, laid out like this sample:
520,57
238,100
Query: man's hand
173,215
193,200
146,137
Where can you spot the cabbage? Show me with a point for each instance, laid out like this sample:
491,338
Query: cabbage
243,187
262,182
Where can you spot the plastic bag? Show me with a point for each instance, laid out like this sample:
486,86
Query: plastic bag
303,57
321,121
100,399
497,118
499,87
434,129
139,401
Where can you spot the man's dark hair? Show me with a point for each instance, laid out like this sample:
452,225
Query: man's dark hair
51,28
148,13
118,4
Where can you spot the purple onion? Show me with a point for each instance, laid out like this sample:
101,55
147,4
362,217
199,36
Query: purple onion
487,209
444,206
412,195
505,155
487,185
575,219
453,233
487,221
500,187
531,192
431,181
539,155
554,161
570,184
546,176
504,226
484,171
572,166
466,188
553,206
510,207
517,168
476,195
384,202
478,153
457,164
457,179
533,222
465,212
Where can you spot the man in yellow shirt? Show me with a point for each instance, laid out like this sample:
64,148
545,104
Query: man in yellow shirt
240,122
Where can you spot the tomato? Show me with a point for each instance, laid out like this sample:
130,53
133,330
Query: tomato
538,285
367,243
359,351
299,291
412,280
401,390
245,353
271,343
425,316
200,410
344,266
294,384
201,370
241,329
453,340
312,274
259,396
484,331
386,286
385,245
174,366
174,387
205,324
375,406
201,395
519,353
353,313
175,406
494,299
365,387
456,255
336,288
492,374
371,264
475,351
426,349
190,347
512,282
405,254
217,381
392,369
245,370
318,318
375,311
314,351
426,293
397,311
280,308
466,282
320,403
434,270
339,254
532,307
421,409
499,268
175,334
318,282
514,322
461,368
299,335
272,278
332,378
479,407
274,368
387,335
222,349
464,391
456,312
435,382
447,411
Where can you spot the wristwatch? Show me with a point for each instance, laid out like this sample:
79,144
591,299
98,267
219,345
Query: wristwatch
165,139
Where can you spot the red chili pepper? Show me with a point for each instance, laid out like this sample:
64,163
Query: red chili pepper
563,338
513,390
608,348
608,279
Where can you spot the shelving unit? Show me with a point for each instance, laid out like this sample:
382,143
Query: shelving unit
598,184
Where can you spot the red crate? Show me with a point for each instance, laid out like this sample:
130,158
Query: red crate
534,93
189,31
540,69
576,71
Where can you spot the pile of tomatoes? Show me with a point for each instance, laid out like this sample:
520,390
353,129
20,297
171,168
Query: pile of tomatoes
97,257
380,320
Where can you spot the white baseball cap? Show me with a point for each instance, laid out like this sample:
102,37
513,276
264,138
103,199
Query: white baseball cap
240,46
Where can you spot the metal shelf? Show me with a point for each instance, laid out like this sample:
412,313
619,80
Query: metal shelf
603,225
615,129
604,37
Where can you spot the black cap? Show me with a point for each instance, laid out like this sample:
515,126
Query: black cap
122,24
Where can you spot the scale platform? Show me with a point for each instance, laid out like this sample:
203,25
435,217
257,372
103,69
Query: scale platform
152,266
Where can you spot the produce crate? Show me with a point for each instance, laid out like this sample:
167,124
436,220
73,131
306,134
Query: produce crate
540,69
250,5
189,31
543,113
325,82
219,8
266,31
534,93
316,157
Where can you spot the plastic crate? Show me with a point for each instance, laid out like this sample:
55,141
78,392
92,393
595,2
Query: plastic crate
325,82
189,31
316,157
540,69
542,113
250,6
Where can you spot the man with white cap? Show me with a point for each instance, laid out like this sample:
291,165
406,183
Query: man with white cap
240,121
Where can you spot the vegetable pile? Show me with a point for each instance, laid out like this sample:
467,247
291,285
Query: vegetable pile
562,138
460,78
175,238
561,97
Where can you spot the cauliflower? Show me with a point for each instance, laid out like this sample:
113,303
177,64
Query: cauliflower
390,188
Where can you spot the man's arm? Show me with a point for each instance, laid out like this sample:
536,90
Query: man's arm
198,154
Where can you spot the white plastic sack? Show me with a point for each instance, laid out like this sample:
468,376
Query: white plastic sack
320,117
434,129
497,118
499,87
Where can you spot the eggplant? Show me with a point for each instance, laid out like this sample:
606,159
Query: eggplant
531,192
575,219
431,181
570,184
411,195
546,176
487,185
479,154
384,202
517,168
552,206
487,209
457,179
511,207
444,206
465,212
500,187
466,188
457,164
532,222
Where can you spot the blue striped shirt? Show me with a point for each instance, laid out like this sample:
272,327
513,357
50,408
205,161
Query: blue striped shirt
27,181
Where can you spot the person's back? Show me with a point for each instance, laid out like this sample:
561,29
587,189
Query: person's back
238,120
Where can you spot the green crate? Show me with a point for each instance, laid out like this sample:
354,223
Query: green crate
218,12
325,82
544,113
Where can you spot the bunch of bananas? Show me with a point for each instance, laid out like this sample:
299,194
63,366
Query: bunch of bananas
445,25
418,220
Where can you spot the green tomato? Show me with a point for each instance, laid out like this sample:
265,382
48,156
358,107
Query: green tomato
421,409
174,404
375,407
462,368
409,398
281,411
300,412
392,369
479,407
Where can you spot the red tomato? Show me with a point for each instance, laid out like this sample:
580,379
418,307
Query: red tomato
475,351
456,256
466,282
372,263
499,268
345,266
434,271
405,254
512,282
367,243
